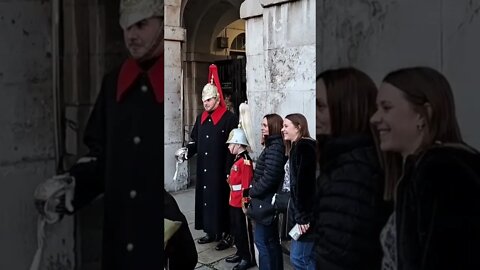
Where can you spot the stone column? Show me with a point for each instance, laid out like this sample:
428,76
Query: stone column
174,36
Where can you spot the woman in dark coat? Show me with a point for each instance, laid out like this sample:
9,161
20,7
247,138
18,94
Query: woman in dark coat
350,210
431,174
301,149
267,178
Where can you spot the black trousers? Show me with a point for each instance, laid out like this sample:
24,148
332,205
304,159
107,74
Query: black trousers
241,228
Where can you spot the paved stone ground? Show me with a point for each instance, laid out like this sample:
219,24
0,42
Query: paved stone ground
208,257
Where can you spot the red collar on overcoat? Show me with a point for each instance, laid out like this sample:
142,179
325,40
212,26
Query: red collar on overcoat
215,115
131,70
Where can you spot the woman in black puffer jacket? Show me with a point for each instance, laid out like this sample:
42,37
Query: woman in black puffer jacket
267,178
350,211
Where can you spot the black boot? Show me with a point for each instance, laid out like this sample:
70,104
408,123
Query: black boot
208,238
243,265
235,258
225,243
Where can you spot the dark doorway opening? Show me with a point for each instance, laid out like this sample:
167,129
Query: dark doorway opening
232,74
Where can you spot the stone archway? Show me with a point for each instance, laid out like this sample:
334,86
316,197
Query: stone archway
190,37
203,22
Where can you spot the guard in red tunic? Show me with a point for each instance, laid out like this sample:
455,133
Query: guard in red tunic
241,175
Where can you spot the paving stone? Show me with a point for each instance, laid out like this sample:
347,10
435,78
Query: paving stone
208,257
211,255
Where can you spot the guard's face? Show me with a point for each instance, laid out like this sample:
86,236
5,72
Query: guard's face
210,104
142,36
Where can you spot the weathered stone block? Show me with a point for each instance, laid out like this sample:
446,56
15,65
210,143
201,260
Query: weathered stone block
255,36
290,24
172,51
291,68
460,63
268,3
27,121
172,13
175,33
256,80
174,79
250,9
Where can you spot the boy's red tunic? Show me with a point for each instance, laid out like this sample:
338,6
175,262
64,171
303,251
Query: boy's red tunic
241,175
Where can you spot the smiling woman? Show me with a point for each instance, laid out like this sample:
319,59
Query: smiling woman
301,150
440,175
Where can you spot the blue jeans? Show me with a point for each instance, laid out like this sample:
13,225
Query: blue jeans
301,255
267,241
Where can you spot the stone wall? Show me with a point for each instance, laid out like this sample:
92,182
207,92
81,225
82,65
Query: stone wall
27,140
380,36
174,36
280,48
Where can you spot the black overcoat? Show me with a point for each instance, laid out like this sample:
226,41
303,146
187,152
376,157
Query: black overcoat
125,163
213,164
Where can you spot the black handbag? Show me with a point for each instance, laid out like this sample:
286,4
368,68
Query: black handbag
261,211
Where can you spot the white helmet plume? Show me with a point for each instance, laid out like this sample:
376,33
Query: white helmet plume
245,122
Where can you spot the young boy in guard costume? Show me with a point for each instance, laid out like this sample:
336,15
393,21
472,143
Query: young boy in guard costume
241,175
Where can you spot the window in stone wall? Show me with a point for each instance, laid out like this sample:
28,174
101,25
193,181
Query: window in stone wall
238,43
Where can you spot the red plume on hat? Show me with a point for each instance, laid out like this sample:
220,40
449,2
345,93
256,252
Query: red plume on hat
222,106
213,74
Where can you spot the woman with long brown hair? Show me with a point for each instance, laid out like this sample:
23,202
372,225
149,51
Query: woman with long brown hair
350,210
432,176
267,178
301,149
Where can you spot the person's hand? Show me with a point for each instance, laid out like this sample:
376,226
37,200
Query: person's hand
304,227
50,196
245,202
61,207
181,154
59,203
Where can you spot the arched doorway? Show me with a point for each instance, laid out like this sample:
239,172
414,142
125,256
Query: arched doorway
209,28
